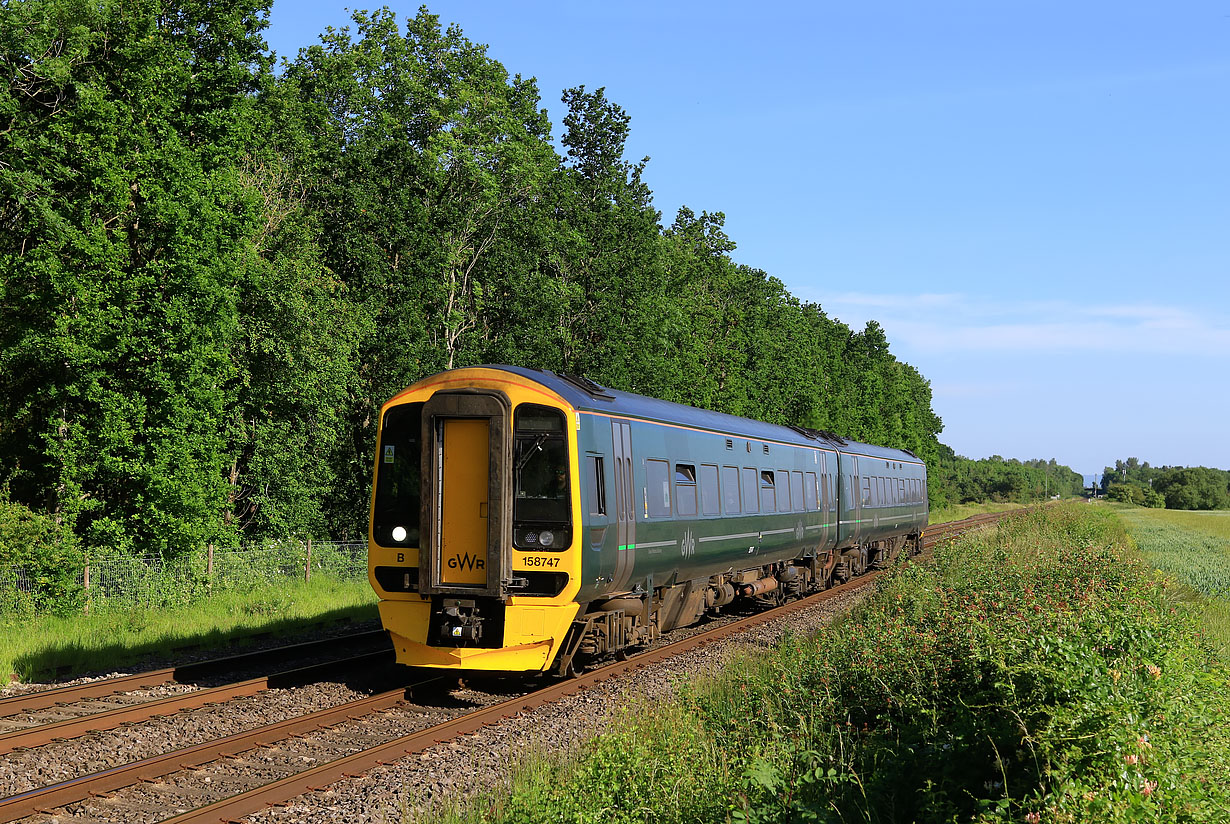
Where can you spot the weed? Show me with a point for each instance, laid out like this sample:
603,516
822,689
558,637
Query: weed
1037,671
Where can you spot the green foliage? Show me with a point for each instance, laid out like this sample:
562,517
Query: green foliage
1176,487
1030,672
955,479
47,555
214,275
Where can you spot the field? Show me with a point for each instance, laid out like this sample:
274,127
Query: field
1193,548
36,647
1037,671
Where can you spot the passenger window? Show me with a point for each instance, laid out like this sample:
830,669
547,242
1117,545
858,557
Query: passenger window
750,494
796,490
901,490
730,490
768,492
685,490
809,492
866,491
597,486
783,494
657,489
709,497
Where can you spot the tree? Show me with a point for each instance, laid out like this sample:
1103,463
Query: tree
123,230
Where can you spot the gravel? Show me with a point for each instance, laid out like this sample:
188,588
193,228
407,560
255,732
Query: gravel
444,776
29,769
439,778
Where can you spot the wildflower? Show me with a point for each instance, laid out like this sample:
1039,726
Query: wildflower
1132,758
1154,671
1090,795
1114,676
1033,818
1143,742
1148,788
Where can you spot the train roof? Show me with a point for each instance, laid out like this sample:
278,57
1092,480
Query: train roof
586,395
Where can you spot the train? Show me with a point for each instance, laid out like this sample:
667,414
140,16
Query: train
527,521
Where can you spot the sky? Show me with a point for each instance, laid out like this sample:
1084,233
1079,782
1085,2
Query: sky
1032,198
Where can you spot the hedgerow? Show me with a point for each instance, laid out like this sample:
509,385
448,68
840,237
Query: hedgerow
1033,672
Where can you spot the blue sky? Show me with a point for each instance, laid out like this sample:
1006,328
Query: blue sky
1032,198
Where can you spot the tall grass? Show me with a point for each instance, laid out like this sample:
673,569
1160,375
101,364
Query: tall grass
959,512
1035,671
40,646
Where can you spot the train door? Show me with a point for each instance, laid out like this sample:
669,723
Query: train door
464,444
466,497
625,504
823,494
856,502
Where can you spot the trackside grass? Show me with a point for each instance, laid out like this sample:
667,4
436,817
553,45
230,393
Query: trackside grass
1036,671
36,647
959,512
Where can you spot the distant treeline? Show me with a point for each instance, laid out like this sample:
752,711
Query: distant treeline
961,480
1173,487
214,274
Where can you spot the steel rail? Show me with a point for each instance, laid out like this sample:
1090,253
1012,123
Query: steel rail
46,699
47,798
284,789
110,719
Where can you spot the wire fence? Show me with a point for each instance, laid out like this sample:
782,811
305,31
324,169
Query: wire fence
120,582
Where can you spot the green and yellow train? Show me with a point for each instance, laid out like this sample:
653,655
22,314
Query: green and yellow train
527,521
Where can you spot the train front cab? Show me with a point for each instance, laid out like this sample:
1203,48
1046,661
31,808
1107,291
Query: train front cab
475,522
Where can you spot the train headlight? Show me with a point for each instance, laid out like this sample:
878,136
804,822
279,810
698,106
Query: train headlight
546,537
399,533
531,537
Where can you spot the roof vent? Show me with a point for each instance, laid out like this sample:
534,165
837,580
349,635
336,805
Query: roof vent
594,390
818,434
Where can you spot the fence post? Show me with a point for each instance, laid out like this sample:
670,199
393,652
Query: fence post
209,566
86,577
307,568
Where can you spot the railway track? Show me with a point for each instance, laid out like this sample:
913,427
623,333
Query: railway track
234,776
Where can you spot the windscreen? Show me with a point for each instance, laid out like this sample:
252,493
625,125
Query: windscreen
395,519
540,467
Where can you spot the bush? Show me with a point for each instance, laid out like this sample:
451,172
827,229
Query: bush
43,555
1031,672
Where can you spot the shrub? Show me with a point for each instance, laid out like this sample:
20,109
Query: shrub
43,555
1035,671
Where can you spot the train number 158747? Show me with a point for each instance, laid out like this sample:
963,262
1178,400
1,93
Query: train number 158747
541,561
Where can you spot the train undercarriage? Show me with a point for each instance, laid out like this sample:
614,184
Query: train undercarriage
617,625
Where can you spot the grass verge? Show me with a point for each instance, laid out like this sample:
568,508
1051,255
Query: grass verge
959,512
1036,671
32,648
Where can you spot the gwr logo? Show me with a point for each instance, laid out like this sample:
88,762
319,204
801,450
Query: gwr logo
464,561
